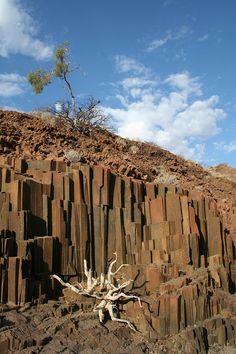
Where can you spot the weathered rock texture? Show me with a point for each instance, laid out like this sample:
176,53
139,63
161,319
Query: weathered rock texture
183,259
38,137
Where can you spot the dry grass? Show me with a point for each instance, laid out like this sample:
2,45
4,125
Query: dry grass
223,171
46,117
165,177
73,156
134,149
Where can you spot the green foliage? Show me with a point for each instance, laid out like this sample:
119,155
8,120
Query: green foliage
38,80
81,118
61,67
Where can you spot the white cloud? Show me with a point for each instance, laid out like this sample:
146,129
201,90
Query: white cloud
18,32
226,147
125,64
184,82
169,113
157,43
12,85
198,119
131,82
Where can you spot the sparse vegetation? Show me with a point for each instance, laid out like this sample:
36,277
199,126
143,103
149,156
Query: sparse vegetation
73,156
165,177
39,79
223,171
81,117
134,149
46,117
62,69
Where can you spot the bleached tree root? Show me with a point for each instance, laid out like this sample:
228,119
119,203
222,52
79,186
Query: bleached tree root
76,290
105,289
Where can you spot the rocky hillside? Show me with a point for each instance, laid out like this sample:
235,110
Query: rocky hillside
223,171
40,136
66,197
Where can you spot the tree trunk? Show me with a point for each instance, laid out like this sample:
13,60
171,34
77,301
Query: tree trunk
71,94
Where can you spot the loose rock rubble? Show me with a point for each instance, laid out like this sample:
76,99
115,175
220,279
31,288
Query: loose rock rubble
41,137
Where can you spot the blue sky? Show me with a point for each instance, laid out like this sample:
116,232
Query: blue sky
163,70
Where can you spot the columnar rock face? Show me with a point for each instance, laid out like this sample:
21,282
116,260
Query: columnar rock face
53,215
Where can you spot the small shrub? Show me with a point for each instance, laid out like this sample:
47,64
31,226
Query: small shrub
46,117
82,118
165,177
73,156
134,149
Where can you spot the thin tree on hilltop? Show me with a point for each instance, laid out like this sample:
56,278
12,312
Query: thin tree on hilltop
82,117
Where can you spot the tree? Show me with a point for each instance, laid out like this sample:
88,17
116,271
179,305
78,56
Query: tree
82,117
39,79
62,69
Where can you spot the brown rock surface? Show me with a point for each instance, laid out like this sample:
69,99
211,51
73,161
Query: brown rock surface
180,243
28,136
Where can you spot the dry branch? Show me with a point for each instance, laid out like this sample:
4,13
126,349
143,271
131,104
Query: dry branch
105,289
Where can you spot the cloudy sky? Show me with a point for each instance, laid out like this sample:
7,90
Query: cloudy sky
164,70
